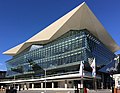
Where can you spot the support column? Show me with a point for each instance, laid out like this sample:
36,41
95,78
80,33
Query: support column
18,87
81,85
32,85
116,82
41,85
65,83
52,84
101,85
25,87
22,86
9,87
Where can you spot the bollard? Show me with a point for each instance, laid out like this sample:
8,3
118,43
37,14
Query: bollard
85,90
115,90
81,90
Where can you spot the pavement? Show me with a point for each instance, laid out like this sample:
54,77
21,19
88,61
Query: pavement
100,91
47,91
62,91
59,91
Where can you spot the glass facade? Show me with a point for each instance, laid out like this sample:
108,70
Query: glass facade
62,55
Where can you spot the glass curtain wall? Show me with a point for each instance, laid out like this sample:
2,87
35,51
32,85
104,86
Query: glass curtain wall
61,55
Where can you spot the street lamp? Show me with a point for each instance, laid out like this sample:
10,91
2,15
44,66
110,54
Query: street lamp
14,82
45,79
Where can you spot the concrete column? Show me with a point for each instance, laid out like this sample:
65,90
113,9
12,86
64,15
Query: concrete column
25,88
101,85
52,84
18,87
74,86
116,82
41,85
9,87
22,87
65,83
79,85
32,85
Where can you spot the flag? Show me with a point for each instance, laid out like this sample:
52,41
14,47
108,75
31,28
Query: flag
93,66
81,69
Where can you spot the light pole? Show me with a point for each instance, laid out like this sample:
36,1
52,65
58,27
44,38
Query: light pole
14,82
45,79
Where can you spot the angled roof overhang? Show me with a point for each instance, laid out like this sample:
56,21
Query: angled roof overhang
79,18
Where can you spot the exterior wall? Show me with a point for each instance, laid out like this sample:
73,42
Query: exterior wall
60,56
61,84
70,84
117,80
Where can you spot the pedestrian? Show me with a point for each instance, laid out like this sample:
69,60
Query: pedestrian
7,90
12,90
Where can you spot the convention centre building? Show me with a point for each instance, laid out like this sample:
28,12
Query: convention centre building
52,57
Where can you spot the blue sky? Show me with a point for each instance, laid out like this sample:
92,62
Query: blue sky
21,19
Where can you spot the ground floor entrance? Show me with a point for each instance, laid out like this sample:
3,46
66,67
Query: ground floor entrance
52,84
70,81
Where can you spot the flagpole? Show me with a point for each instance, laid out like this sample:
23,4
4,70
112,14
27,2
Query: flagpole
82,82
82,75
95,77
93,65
95,83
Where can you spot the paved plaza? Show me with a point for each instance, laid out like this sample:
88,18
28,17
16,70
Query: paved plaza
63,91
59,91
